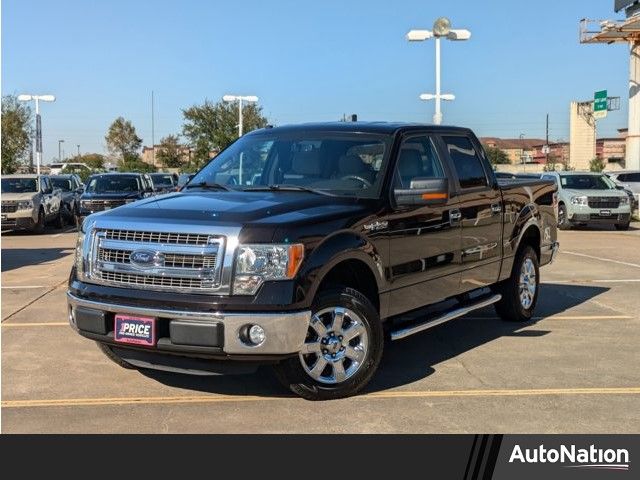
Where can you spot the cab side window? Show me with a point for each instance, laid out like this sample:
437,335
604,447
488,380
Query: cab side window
418,158
466,162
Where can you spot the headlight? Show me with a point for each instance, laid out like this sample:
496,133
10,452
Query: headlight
25,205
582,200
79,261
256,264
624,200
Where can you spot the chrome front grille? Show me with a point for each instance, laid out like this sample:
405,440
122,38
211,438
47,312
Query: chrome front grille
133,280
100,205
177,261
157,237
9,207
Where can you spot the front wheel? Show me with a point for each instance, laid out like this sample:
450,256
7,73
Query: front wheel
342,349
520,291
622,226
59,221
38,227
563,221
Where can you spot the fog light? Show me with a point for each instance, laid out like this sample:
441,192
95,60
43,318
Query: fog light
257,335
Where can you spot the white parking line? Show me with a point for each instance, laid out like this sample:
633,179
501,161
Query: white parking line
601,259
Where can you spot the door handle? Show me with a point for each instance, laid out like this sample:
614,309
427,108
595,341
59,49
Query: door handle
496,208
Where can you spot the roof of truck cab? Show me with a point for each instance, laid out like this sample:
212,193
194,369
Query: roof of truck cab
384,128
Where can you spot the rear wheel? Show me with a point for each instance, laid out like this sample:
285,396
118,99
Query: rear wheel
342,349
520,291
106,349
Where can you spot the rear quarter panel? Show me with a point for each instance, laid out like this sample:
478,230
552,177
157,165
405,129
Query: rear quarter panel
527,204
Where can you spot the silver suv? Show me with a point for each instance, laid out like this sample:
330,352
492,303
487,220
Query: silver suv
29,202
586,197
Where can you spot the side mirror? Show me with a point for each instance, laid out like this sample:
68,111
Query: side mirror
424,191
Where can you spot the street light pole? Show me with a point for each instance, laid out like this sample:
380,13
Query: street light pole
441,28
60,142
240,99
78,145
36,99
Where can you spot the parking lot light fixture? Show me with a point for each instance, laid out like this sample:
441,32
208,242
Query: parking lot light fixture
240,99
37,99
441,29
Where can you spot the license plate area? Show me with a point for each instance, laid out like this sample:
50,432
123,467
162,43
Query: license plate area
135,330
605,213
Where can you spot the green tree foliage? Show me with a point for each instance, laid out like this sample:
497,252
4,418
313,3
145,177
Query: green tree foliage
133,163
496,156
16,132
169,152
597,165
214,126
122,140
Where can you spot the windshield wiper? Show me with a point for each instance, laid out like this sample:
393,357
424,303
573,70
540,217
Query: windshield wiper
211,186
284,188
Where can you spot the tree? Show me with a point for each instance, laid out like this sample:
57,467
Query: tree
597,165
133,163
214,126
16,133
169,152
496,156
122,140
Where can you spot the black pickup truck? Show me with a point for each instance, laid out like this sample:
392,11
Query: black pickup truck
307,246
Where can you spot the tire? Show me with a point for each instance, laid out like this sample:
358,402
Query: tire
39,226
113,357
365,346
622,226
59,221
513,306
563,221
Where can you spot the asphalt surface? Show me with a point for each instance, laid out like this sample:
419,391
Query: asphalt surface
574,369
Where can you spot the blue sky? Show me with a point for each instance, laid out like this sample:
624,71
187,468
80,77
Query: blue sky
306,60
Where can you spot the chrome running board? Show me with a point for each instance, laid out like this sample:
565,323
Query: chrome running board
458,312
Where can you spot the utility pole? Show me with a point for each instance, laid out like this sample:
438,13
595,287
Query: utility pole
547,143
153,138
60,142
78,145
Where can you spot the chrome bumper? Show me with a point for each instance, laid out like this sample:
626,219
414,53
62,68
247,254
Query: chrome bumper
285,332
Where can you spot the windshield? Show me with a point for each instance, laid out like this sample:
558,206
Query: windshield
61,183
340,164
161,180
587,182
19,185
111,184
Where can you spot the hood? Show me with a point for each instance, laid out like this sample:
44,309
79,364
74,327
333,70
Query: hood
16,197
594,193
257,208
110,195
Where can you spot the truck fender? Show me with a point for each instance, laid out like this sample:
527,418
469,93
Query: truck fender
337,248
528,217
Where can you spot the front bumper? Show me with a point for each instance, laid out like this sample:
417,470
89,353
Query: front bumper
586,214
182,332
18,220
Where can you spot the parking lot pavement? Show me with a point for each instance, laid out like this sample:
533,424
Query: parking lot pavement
573,369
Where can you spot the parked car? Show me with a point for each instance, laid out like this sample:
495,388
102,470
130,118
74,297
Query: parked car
627,178
586,197
106,191
29,202
163,182
634,197
301,246
71,188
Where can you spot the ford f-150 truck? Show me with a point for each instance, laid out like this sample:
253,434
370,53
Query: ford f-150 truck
306,247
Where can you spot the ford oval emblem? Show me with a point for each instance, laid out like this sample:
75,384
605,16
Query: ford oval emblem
147,258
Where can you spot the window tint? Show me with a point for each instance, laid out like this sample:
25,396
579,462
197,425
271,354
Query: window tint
466,162
629,177
418,158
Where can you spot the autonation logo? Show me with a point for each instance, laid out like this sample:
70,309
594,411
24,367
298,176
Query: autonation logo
573,457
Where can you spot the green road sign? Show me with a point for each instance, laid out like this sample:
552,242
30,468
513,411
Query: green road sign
600,104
